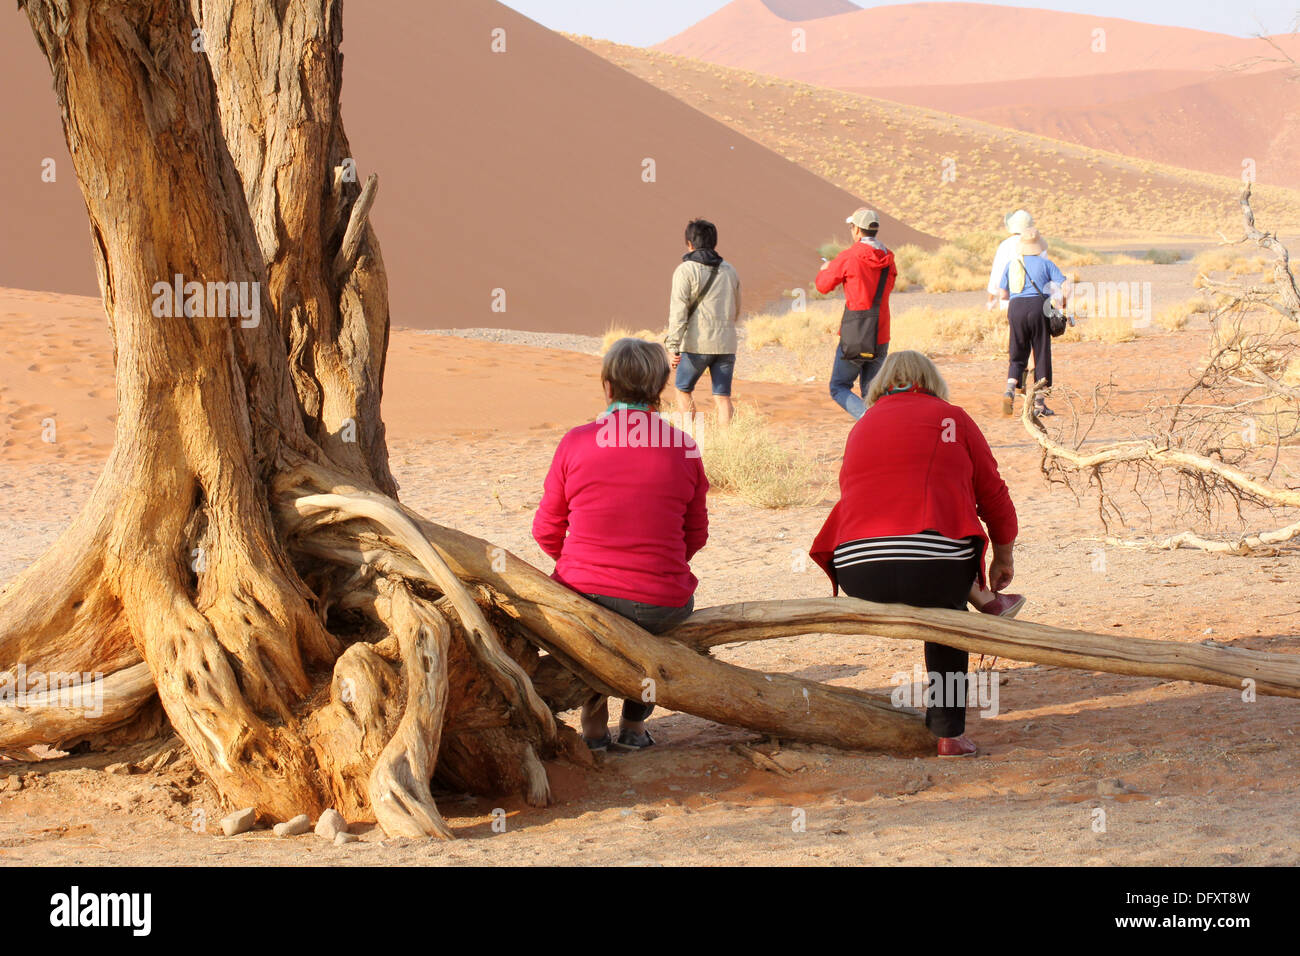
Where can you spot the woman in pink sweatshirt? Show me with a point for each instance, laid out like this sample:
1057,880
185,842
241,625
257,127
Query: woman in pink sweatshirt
623,513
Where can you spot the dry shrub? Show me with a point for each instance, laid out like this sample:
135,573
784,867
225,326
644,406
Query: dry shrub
1234,261
962,265
805,340
947,269
745,460
971,331
1176,317
791,346
1101,328
958,266
613,334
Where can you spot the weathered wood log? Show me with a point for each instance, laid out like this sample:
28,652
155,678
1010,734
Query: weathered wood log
385,512
620,657
1275,674
54,716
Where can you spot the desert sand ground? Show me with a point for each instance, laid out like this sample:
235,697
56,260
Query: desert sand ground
1185,774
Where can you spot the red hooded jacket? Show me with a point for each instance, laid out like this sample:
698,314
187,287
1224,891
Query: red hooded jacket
858,268
916,463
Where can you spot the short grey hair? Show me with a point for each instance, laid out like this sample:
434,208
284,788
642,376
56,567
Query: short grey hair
636,371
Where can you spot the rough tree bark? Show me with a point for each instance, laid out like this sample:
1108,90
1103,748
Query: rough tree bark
242,570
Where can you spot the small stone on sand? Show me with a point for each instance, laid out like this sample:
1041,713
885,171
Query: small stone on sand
330,824
298,825
241,821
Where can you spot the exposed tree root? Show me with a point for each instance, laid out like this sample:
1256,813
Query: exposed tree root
384,511
54,717
399,783
606,650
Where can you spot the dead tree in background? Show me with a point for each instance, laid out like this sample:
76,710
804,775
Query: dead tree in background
1278,56
1227,451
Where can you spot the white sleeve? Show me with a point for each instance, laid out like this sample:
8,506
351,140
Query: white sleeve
1000,262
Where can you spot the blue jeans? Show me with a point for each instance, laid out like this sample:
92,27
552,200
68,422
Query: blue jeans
649,617
692,366
845,374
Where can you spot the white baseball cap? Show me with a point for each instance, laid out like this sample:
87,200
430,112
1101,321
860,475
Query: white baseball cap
864,218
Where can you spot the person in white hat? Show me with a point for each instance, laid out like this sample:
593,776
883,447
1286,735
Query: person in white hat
1016,223
1029,281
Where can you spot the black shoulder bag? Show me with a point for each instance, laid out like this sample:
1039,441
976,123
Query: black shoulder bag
1057,320
859,328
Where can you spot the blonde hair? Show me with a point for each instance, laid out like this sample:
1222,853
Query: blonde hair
636,371
905,369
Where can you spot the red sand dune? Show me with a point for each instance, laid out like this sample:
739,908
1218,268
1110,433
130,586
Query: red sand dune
1156,92
1205,121
948,43
519,171
1213,125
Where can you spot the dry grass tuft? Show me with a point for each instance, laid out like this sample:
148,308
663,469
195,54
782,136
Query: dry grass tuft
745,460
1176,317
613,334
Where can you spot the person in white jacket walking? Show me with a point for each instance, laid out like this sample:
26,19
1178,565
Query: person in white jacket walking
1016,223
702,313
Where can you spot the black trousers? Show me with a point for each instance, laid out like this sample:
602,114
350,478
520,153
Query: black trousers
936,583
1029,330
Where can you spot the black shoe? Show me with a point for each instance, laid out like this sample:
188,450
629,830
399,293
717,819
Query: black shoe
1042,411
629,742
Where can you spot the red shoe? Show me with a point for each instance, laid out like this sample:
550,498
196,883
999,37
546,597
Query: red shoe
961,746
1003,605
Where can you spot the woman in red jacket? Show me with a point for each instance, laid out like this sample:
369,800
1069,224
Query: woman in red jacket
918,476
623,513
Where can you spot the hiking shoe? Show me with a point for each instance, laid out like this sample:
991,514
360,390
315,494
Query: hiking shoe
597,744
1042,411
629,742
961,746
1003,605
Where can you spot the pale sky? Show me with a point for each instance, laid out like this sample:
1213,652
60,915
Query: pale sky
647,22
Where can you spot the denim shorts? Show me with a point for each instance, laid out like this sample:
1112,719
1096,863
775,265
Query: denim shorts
693,364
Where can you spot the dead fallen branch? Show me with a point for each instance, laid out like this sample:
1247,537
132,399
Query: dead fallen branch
1275,674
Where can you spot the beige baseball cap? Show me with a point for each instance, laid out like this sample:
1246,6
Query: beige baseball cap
864,218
